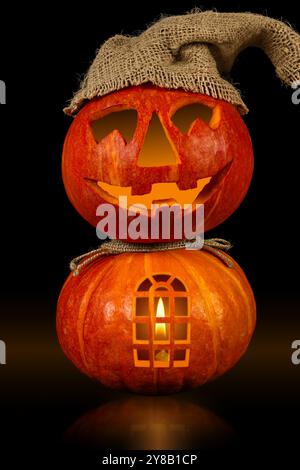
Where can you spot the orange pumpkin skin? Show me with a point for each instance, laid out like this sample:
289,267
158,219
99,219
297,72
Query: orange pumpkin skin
95,319
221,150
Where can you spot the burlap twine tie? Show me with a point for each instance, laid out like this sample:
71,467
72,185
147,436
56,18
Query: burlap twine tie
216,246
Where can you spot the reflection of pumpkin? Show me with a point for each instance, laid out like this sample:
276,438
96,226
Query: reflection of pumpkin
150,423
156,322
157,145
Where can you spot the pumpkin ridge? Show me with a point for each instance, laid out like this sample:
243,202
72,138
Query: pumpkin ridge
81,322
211,310
131,261
241,289
250,301
106,273
188,265
218,195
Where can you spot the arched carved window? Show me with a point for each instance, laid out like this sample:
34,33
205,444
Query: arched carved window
161,323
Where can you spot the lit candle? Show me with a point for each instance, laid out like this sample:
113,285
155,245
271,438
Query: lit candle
161,330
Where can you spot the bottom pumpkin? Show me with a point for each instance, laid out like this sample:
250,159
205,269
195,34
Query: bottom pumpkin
158,322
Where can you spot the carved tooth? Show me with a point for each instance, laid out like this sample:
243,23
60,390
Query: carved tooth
183,185
164,201
141,189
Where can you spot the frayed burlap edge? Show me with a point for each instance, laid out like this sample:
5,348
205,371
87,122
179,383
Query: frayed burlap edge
194,52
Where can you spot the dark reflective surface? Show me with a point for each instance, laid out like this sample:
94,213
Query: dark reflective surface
41,393
49,409
150,423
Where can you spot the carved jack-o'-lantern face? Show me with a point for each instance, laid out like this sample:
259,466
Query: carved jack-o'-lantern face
156,145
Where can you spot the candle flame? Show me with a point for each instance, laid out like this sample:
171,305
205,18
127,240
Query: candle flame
160,328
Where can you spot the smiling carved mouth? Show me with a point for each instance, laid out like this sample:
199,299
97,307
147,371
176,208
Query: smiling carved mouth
161,193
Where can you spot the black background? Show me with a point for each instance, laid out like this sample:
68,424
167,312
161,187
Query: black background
45,49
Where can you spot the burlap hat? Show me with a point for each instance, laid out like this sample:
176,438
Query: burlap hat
194,52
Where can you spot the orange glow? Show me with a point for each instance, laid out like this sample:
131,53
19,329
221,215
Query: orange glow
216,118
160,193
160,328
157,149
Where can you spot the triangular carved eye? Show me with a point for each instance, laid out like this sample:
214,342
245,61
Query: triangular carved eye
125,121
184,117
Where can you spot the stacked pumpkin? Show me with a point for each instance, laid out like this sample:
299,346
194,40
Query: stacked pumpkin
157,322
162,126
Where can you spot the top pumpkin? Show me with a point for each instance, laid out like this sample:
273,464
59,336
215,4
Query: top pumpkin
158,145
188,142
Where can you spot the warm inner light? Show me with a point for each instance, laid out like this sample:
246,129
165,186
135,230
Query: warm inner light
160,328
168,193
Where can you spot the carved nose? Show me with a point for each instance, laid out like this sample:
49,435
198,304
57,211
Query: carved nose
157,149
